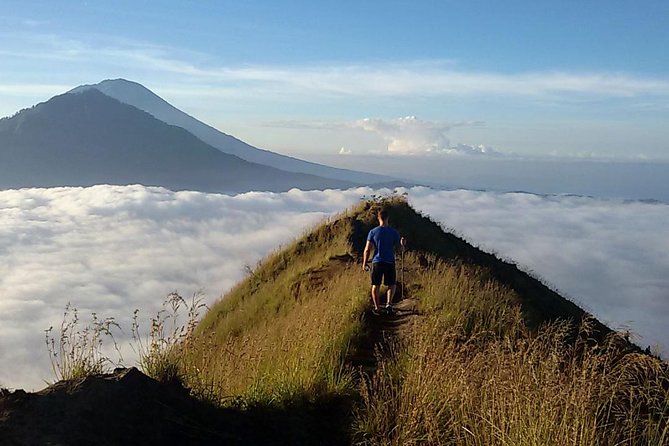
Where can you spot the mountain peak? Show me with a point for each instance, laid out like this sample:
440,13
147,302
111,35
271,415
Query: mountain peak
110,83
137,95
128,92
86,137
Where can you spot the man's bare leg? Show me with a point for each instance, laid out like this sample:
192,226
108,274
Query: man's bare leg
390,294
375,296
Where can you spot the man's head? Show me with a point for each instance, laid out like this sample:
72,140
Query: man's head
382,216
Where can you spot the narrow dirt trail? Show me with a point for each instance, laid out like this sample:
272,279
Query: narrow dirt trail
379,330
379,333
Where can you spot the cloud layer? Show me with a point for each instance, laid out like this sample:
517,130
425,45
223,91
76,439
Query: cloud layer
112,249
608,256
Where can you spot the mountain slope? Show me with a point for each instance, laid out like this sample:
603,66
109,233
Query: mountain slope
477,353
141,97
89,138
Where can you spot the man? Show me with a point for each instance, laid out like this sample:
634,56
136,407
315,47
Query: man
383,238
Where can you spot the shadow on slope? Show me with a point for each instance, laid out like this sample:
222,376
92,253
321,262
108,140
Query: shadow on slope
127,407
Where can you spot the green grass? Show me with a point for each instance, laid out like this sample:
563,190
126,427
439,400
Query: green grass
160,351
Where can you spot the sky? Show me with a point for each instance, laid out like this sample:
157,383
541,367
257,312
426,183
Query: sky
517,78
114,249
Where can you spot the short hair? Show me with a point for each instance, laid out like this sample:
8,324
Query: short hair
382,214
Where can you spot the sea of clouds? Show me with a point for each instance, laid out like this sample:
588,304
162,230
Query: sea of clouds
113,249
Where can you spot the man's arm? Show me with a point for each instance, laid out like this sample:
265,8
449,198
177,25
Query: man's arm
402,240
365,254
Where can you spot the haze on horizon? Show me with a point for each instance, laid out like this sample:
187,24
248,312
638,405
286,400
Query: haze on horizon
452,79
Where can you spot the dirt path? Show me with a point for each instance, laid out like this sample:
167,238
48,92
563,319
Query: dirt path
379,330
379,333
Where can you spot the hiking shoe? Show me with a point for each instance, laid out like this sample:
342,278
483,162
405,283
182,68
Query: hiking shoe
376,311
390,309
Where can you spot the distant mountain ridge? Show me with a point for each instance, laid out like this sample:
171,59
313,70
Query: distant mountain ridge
137,95
86,138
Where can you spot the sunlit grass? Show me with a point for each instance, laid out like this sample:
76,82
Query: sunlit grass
297,352
469,373
160,350
284,332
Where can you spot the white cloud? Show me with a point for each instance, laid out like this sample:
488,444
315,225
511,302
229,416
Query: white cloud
32,23
466,149
412,136
419,78
408,135
33,89
111,249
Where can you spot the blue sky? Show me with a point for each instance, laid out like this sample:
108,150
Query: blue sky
566,79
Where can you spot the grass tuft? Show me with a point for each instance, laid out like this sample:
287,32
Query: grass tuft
77,352
160,353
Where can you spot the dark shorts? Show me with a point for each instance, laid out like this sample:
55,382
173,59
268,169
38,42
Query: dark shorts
385,270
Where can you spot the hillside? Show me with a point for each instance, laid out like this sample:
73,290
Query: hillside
477,353
137,95
88,138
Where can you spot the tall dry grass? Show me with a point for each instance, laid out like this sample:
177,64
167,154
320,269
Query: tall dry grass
469,373
160,349
284,332
77,350
295,353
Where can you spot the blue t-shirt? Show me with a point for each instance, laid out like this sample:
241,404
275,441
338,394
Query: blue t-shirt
384,239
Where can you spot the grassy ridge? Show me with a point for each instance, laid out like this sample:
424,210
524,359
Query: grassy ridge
491,357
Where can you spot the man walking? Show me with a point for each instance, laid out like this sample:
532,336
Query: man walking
383,238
